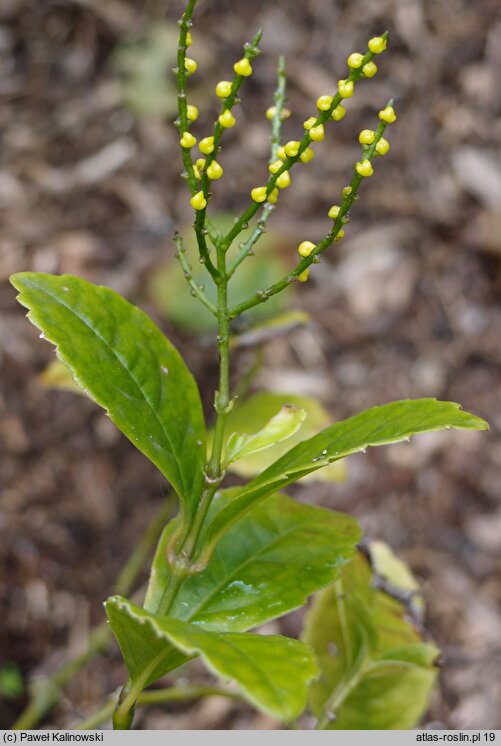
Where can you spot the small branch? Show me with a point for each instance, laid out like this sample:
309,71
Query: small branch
47,691
196,290
155,697
323,116
184,125
251,50
276,128
276,122
348,200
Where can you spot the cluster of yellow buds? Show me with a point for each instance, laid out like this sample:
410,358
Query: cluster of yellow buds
315,128
225,90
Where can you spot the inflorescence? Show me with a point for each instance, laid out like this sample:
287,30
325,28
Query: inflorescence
201,171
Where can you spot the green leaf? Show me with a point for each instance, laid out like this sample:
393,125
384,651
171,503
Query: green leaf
377,673
264,567
171,292
123,362
252,414
280,427
273,672
374,427
393,570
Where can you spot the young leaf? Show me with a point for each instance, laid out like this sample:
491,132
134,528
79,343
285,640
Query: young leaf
280,427
273,672
377,673
252,414
374,427
123,362
266,565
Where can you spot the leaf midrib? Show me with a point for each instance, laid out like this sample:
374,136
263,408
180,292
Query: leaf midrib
120,360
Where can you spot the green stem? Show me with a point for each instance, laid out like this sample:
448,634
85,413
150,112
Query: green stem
276,121
262,295
181,564
276,128
196,290
156,697
48,690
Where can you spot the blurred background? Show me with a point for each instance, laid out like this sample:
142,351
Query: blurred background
406,306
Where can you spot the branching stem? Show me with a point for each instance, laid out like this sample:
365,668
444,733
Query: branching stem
263,295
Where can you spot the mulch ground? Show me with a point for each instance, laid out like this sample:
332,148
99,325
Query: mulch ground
407,306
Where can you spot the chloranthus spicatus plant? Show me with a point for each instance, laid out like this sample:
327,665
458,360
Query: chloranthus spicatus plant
235,558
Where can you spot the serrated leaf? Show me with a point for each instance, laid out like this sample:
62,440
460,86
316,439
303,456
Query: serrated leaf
124,362
273,672
265,566
58,376
383,425
377,673
252,414
279,428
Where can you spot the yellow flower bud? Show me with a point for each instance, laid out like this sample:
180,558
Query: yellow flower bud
338,113
304,275
369,69
345,88
214,171
292,148
346,191
273,196
377,45
324,103
259,194
275,166
243,67
198,201
308,123
281,153
307,155
189,40
334,212
364,168
206,146
388,115
196,172
188,140
192,112
200,164
305,248
271,111
226,119
317,133
190,65
284,180
355,60
366,137
339,235
223,89
383,146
